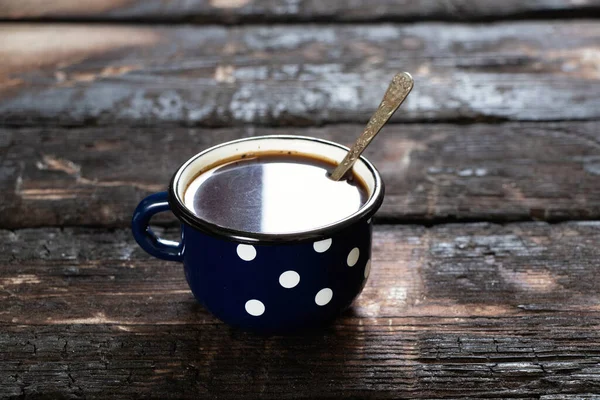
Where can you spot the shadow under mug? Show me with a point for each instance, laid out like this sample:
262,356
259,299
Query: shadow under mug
266,282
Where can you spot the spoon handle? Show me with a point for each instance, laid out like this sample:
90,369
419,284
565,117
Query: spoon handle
399,88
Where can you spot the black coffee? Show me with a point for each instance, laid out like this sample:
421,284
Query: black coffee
273,193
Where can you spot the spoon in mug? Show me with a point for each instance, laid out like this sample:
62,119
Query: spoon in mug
395,94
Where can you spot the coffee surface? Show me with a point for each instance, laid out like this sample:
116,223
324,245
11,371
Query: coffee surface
273,193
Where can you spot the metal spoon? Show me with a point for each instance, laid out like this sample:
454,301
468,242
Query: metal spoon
400,87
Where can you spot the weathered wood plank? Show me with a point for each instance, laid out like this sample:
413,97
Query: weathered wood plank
229,11
436,172
453,311
300,75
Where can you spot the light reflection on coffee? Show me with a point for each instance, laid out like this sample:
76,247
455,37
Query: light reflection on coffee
273,193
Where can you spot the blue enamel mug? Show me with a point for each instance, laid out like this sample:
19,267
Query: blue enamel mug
260,281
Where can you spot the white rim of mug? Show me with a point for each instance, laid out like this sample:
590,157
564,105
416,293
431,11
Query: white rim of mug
186,216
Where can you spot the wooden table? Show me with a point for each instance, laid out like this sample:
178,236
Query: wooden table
485,279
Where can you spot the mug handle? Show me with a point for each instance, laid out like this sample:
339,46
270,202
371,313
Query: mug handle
140,226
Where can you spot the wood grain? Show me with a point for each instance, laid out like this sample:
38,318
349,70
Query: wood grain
296,75
453,311
433,172
235,11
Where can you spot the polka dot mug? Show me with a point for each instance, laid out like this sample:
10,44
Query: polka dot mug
267,282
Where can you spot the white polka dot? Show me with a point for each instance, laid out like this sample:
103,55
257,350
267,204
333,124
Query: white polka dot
322,245
247,252
353,257
255,307
324,296
289,279
368,269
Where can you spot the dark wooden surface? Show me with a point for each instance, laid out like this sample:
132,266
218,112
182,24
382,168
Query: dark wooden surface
296,74
506,311
232,11
485,270
433,172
